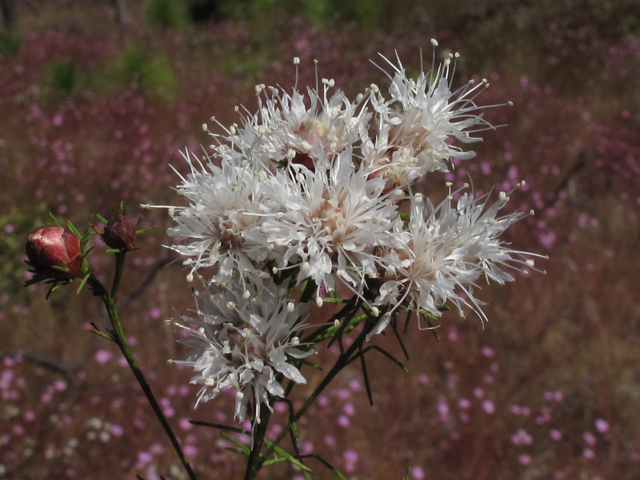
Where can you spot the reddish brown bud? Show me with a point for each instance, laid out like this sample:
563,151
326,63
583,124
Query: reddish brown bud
49,247
120,233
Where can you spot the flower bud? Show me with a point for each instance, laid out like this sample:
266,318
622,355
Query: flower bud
120,233
49,247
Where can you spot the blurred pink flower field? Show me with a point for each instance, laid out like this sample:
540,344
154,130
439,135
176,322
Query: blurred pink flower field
92,115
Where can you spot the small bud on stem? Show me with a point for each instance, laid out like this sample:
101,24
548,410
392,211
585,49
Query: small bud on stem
120,233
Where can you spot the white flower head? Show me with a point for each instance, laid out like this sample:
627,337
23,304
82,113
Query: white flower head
417,126
220,227
244,344
445,251
330,218
292,131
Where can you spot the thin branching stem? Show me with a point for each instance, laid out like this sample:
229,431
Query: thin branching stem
341,362
120,339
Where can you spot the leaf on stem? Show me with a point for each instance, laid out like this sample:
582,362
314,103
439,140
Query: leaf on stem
427,317
285,456
74,230
219,426
242,449
102,219
55,220
366,378
407,321
394,325
138,232
83,283
335,471
390,357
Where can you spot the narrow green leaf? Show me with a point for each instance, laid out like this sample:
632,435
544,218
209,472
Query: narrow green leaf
357,356
394,324
138,232
83,283
287,456
55,220
366,379
334,300
102,334
73,229
390,357
244,449
53,288
28,283
407,321
102,219
334,470
426,314
431,327
237,450
274,460
113,250
64,269
219,426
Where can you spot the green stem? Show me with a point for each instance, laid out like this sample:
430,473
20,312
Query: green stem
342,361
255,459
120,339
120,256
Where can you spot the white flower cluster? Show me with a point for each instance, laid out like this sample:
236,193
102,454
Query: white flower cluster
311,188
241,341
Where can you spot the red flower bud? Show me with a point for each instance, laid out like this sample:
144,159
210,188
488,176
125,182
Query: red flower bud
120,233
49,247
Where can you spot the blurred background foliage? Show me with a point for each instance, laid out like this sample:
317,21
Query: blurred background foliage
99,97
